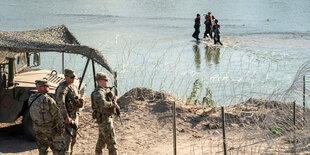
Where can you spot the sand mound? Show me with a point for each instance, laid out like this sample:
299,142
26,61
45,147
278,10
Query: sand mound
253,113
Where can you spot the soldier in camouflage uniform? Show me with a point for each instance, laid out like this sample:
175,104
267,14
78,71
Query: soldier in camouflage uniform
69,101
103,109
48,123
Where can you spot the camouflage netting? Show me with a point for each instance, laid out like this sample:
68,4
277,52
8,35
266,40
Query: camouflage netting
56,38
6,54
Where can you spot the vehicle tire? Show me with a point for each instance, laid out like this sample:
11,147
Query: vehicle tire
27,126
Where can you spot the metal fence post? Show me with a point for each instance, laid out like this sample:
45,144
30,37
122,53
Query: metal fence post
224,132
294,119
304,100
174,131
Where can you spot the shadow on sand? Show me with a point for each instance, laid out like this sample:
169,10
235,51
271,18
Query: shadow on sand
13,140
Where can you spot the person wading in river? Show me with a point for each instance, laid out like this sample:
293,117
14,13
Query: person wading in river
197,26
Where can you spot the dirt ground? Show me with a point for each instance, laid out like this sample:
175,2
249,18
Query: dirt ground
148,128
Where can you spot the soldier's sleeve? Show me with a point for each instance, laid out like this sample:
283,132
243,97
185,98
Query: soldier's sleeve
80,101
100,98
93,104
61,99
55,112
30,99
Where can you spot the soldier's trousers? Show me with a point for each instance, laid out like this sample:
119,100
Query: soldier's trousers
106,137
70,141
47,137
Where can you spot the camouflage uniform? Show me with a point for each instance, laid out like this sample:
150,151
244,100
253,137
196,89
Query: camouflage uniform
47,122
67,98
103,109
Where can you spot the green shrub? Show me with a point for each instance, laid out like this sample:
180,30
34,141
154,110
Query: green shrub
196,91
276,130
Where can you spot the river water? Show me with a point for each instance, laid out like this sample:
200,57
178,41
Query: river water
149,43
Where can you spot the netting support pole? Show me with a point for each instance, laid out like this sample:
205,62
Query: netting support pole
1,79
294,119
94,73
224,132
304,99
11,73
174,131
115,83
84,71
63,62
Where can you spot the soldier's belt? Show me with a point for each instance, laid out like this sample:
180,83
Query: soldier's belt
44,125
106,114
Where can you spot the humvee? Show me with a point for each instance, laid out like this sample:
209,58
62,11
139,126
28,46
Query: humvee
17,73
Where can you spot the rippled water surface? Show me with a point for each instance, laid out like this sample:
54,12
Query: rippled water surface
149,42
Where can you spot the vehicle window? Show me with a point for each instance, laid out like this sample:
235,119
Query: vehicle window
5,68
20,61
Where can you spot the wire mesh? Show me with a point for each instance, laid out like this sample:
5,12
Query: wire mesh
256,90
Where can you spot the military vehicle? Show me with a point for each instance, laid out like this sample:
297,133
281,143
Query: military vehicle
17,73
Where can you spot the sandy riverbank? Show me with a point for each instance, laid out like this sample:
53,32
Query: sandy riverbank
147,128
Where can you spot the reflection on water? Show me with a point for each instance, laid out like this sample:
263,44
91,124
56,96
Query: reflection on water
212,53
197,55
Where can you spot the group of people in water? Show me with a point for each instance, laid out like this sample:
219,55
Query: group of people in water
212,27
